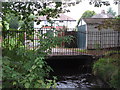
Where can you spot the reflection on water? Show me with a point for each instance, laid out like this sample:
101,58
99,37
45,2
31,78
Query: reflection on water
80,81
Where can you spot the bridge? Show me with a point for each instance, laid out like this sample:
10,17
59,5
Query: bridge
72,60
76,51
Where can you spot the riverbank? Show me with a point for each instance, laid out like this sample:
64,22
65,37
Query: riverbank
108,68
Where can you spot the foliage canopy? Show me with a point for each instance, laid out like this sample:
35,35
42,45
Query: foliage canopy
22,67
88,14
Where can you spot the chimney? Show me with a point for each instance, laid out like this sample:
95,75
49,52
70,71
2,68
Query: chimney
103,12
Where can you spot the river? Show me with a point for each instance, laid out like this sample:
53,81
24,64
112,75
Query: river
86,80
75,72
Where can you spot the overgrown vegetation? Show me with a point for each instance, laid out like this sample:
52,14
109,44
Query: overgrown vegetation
110,23
27,68
108,68
23,67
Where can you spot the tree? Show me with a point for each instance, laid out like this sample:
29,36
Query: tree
12,21
88,14
99,3
27,68
24,68
24,9
110,11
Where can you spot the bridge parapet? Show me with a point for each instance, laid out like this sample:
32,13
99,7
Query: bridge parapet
78,51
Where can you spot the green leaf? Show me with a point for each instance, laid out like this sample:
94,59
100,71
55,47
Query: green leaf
39,81
40,66
14,75
37,85
34,66
6,25
30,78
27,85
6,60
14,83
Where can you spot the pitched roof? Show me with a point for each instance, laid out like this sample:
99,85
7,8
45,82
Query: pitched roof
64,17
103,15
96,20
61,18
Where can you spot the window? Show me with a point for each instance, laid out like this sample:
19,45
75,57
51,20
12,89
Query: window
61,21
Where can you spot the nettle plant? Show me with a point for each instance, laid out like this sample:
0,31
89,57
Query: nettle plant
22,67
27,68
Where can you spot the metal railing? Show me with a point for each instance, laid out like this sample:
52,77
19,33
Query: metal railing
92,42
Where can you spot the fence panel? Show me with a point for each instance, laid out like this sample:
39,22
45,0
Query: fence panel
103,39
95,41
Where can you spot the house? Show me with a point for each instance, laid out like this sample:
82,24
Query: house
89,37
59,23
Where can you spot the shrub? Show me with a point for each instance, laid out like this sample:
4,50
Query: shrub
25,69
108,69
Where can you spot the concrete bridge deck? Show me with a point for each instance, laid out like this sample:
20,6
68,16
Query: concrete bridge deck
75,51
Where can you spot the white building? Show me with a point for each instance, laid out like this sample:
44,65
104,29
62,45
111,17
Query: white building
62,21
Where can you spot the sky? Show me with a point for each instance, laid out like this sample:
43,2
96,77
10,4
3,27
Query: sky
77,10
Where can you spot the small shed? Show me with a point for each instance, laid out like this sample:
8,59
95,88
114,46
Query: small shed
89,37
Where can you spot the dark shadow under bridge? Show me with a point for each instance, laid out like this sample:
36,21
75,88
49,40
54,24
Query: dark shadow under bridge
70,64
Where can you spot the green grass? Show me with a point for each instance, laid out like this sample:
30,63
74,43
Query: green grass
108,69
81,50
109,52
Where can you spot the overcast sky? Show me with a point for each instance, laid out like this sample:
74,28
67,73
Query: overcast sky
79,9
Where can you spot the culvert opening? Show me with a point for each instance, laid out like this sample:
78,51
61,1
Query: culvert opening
75,72
69,65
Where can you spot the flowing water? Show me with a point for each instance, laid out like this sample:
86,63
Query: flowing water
80,81
75,72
